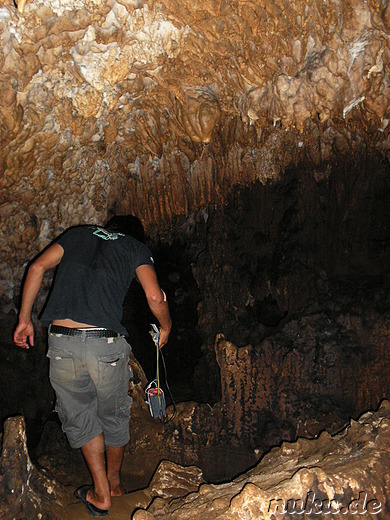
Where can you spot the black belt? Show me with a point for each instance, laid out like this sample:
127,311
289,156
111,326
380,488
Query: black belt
87,333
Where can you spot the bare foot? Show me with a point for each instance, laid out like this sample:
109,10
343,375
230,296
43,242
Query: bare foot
86,493
100,502
116,487
118,491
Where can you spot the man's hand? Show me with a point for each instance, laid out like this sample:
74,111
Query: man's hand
23,332
163,338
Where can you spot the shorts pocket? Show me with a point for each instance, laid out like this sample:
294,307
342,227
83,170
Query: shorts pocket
62,369
111,367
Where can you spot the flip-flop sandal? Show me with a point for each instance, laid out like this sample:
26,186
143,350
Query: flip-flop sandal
81,494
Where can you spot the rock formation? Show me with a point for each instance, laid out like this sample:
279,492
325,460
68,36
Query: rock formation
342,474
25,491
252,139
302,478
326,363
161,108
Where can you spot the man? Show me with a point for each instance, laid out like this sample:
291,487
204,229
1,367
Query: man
88,351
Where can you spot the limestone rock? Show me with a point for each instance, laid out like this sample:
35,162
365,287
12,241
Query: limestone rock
162,108
25,491
322,367
173,481
342,474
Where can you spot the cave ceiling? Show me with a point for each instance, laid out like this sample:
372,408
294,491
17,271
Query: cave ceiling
160,108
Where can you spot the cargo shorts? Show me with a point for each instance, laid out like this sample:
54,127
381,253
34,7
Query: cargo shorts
90,377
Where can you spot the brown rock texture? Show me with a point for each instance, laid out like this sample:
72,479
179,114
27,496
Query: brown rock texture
159,108
172,481
166,109
326,364
345,474
25,491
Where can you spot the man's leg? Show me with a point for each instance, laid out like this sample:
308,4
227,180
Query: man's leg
94,456
114,407
77,409
114,463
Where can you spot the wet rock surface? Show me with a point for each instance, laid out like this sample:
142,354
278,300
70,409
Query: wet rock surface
346,473
341,474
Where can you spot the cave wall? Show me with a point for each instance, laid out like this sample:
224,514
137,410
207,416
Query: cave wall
271,248
327,363
162,108
175,111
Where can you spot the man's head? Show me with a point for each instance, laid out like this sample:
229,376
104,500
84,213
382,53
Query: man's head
128,225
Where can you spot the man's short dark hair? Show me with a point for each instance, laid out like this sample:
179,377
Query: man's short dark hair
128,225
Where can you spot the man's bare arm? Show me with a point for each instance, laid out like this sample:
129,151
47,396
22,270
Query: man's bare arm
24,332
156,300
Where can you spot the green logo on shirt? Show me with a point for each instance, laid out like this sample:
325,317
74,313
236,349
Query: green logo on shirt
107,235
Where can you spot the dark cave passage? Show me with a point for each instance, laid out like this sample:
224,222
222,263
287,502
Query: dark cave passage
297,270
243,269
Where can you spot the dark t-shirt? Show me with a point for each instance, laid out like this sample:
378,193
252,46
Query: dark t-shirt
93,277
